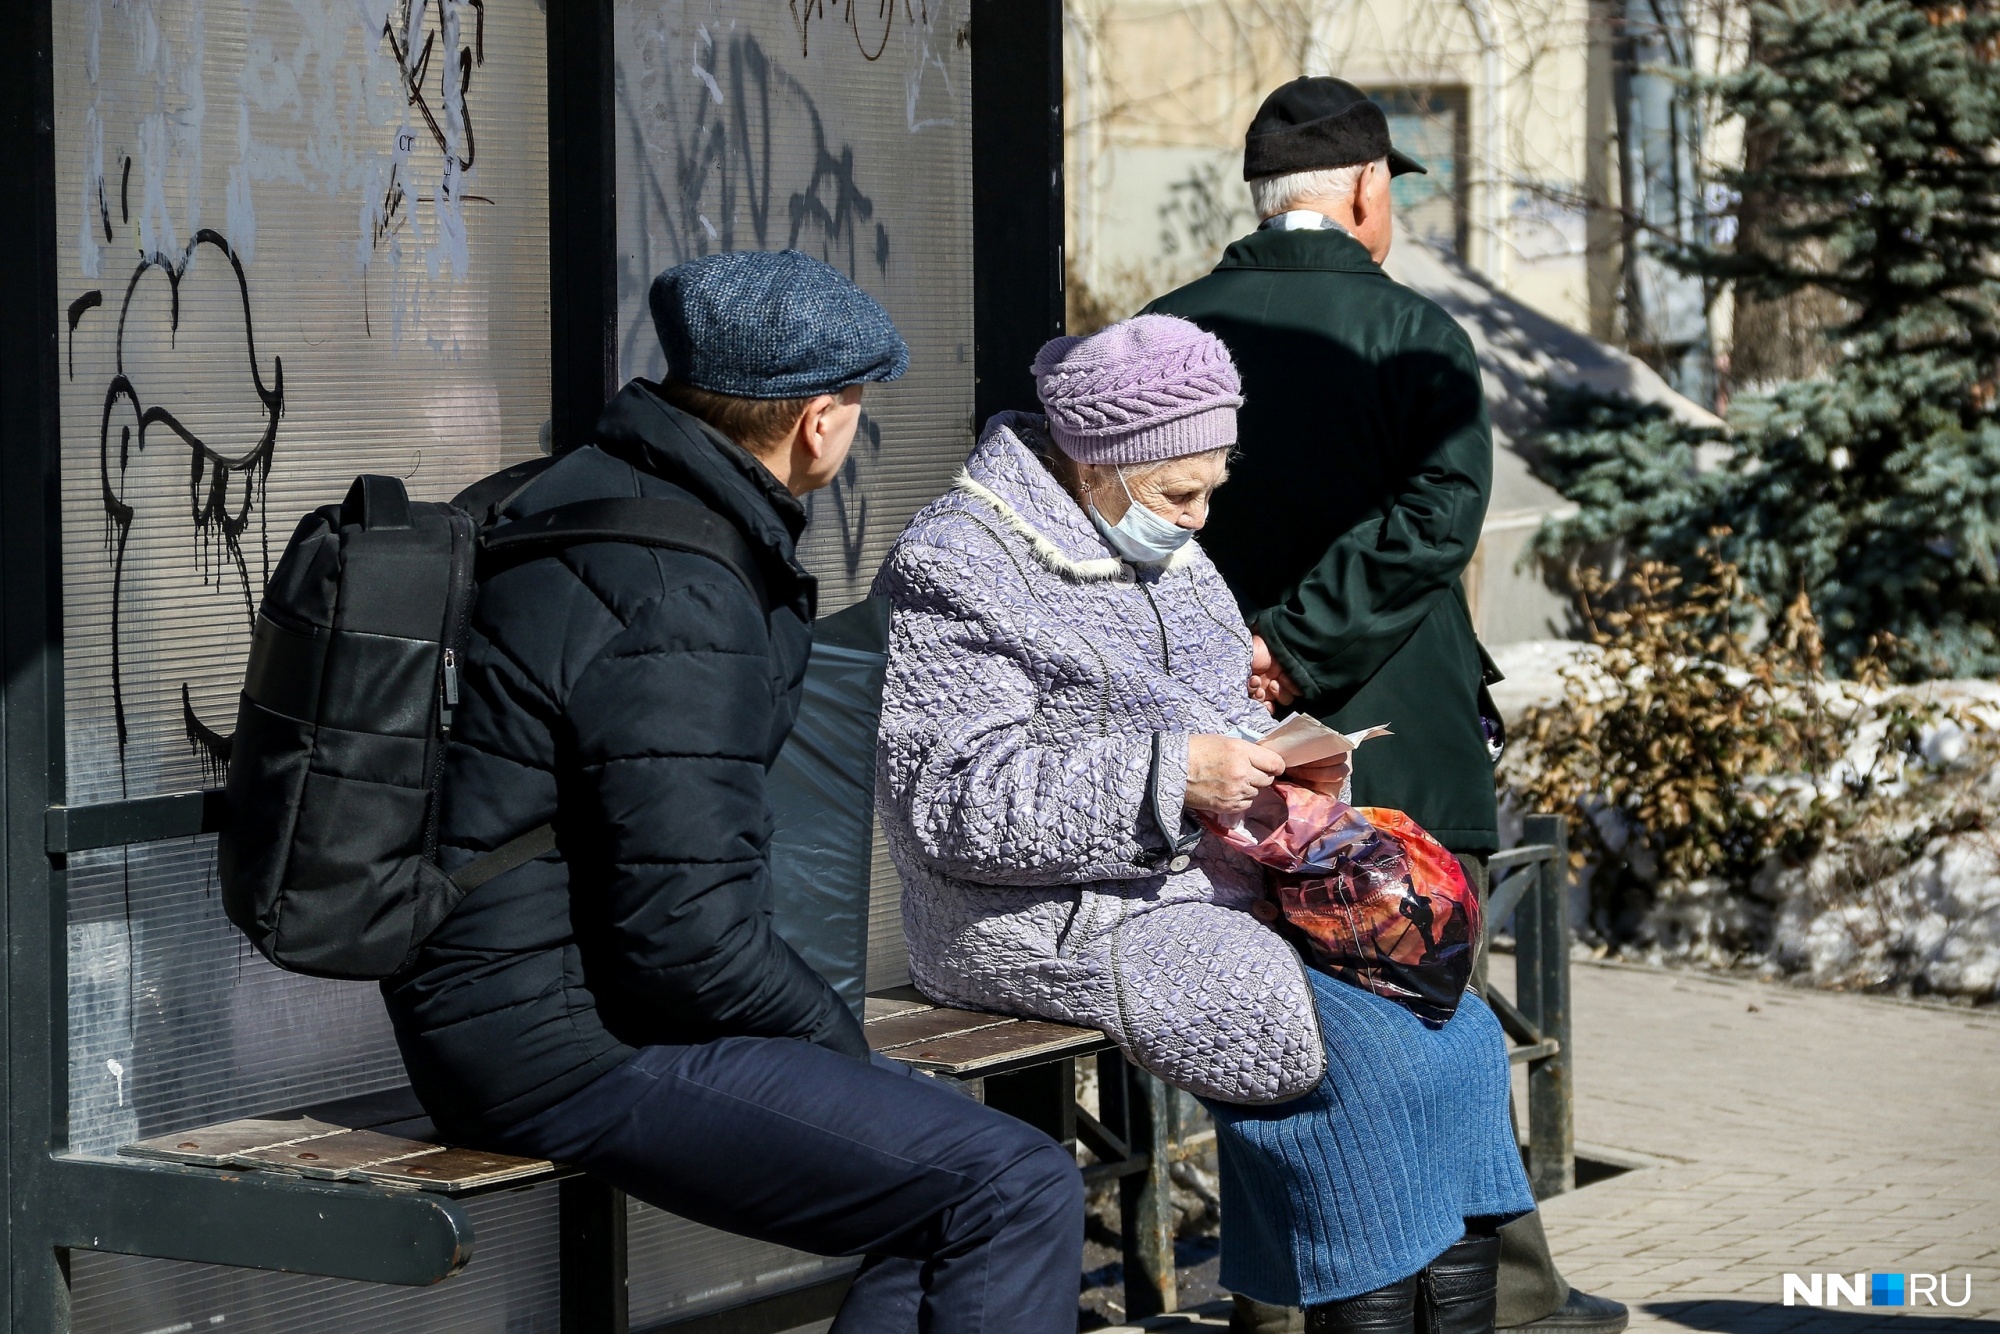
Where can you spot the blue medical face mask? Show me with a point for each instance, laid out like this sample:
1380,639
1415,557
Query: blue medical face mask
1142,537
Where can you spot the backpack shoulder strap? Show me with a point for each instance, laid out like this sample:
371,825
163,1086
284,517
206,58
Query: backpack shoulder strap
485,498
675,525
537,842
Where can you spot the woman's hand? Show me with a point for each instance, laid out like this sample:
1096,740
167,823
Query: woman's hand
1225,775
1325,777
1269,685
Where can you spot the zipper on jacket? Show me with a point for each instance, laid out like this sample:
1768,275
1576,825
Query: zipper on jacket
1166,652
457,611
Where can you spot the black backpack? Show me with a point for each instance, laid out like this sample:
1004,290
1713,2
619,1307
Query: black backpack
327,861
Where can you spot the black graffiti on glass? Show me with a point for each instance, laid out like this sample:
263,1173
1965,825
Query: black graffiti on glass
715,189
840,217
225,490
88,301
414,79
871,35
104,205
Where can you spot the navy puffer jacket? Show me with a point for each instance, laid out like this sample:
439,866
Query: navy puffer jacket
636,697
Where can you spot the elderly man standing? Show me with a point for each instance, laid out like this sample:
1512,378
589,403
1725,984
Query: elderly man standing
1355,508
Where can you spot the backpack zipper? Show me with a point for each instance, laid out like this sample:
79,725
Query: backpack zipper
450,692
457,609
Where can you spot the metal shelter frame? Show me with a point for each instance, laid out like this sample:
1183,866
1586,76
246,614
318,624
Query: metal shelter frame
57,1202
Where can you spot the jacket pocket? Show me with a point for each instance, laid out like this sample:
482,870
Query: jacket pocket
1069,935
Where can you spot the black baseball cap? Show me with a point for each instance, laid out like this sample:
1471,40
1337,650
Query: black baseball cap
1312,124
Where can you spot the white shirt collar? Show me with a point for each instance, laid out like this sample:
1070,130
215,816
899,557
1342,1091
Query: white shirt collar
1301,220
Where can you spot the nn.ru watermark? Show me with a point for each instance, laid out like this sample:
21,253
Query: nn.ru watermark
1875,1289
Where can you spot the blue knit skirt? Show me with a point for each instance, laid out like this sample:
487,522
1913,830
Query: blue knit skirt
1369,1177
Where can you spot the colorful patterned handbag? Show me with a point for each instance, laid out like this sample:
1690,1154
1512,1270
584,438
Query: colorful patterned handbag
1380,903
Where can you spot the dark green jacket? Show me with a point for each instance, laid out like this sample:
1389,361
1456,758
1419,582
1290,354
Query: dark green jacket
1366,457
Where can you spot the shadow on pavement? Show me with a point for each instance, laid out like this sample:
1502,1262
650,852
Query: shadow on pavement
1740,1317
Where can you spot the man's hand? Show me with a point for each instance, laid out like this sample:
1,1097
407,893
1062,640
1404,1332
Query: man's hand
1225,775
1268,683
1325,777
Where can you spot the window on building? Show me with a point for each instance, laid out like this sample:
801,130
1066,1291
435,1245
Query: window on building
1429,123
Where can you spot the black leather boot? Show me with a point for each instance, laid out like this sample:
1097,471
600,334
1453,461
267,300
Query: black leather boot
1391,1309
1458,1292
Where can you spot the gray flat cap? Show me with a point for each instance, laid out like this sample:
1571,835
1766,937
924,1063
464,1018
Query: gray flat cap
772,324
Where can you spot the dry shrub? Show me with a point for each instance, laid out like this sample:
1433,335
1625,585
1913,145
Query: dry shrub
1701,748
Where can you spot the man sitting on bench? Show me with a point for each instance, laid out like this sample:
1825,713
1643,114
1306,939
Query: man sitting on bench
622,1004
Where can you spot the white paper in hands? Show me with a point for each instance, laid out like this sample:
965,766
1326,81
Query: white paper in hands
1303,739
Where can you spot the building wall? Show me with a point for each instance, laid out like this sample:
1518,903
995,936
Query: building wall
1160,92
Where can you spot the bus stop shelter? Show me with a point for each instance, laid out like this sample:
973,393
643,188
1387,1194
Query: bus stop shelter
256,247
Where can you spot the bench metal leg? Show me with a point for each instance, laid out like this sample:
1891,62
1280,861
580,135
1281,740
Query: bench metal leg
1044,1097
1541,973
1135,1104
591,1223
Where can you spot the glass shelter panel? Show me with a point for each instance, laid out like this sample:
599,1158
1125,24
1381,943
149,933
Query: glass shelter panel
510,1288
680,1270
844,130
297,241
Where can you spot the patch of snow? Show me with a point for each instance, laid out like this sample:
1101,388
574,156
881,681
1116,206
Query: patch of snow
1533,670
1933,925
1863,912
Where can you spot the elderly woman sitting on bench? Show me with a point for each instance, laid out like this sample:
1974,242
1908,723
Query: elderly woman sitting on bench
1066,690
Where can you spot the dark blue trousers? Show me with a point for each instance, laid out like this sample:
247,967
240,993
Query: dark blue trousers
971,1222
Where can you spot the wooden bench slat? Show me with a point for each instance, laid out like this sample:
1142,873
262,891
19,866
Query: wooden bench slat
334,1157
885,1035
877,1008
966,1054
303,1146
220,1145
968,1044
454,1170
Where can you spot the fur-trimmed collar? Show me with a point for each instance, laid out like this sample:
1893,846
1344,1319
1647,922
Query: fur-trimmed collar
1018,488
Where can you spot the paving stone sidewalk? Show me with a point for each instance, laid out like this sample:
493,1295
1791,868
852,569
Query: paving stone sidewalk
1789,1131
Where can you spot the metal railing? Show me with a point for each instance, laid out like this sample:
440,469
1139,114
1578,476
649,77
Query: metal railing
1530,884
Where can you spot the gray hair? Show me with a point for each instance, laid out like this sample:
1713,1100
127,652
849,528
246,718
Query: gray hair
1273,195
1070,473
1132,472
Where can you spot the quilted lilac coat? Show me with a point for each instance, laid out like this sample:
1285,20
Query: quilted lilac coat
1033,756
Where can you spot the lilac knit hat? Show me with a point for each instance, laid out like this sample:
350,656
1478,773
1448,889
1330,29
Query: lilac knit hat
1149,388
